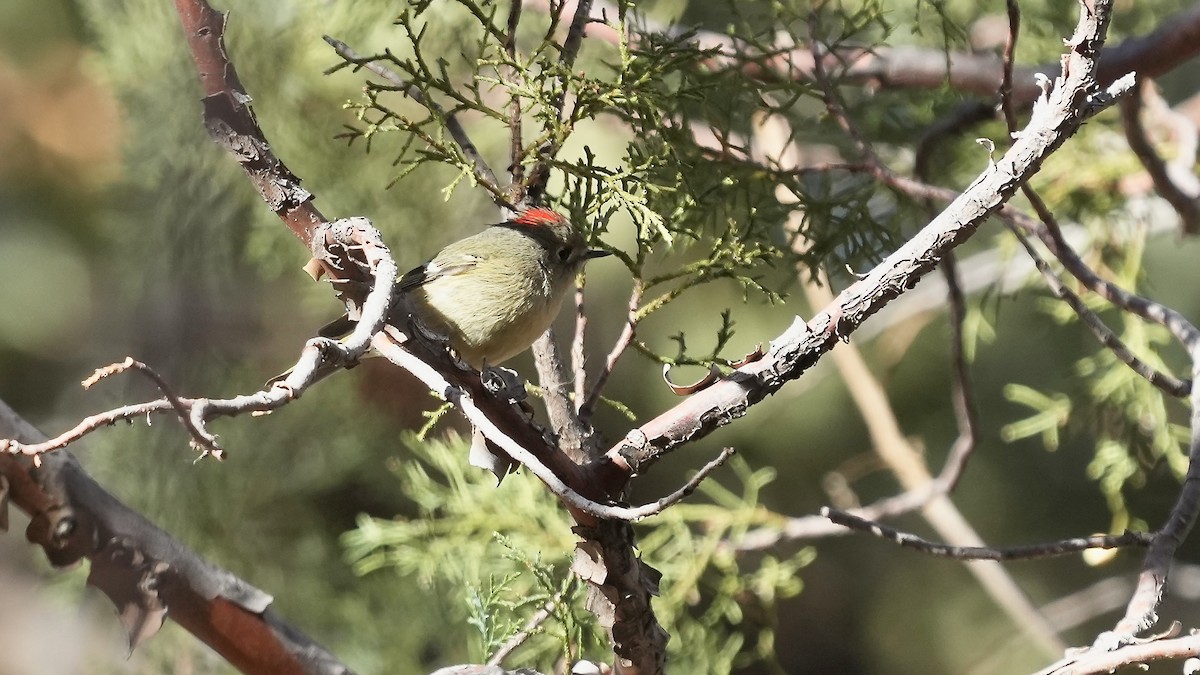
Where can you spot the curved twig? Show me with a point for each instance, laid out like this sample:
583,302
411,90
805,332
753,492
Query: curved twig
1183,195
387,343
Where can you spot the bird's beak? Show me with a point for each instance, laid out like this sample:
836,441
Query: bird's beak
596,253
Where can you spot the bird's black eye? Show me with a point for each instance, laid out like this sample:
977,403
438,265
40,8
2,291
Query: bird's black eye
564,254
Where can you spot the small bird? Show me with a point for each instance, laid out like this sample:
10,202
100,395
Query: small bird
493,293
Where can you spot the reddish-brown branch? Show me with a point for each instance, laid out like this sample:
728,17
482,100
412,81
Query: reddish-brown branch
231,124
144,570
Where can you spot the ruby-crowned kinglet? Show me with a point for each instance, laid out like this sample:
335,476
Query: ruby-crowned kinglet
493,293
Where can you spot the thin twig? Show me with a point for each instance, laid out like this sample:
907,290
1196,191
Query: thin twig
554,8
517,639
804,528
388,345
961,392
1010,48
516,140
690,486
483,172
195,413
889,441
1185,200
86,426
1164,381
573,437
535,184
833,102
574,39
579,349
588,405
966,414
1051,235
1046,550
1052,238
1141,612
204,442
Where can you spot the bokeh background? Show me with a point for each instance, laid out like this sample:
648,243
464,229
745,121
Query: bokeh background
124,231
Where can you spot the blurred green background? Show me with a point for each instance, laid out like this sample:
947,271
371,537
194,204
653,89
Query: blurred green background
124,231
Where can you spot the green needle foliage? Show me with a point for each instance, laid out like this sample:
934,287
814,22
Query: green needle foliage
505,553
684,214
645,138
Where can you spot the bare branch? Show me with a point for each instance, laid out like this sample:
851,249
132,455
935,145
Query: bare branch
1180,187
588,406
1072,100
962,393
203,440
86,426
319,357
387,343
146,572
573,438
690,486
1164,381
1010,48
516,150
1047,550
579,349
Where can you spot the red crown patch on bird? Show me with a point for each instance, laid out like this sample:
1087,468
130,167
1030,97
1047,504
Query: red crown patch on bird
539,217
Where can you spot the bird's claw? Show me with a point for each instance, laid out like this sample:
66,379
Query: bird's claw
502,382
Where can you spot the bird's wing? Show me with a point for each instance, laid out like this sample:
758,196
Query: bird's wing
442,266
